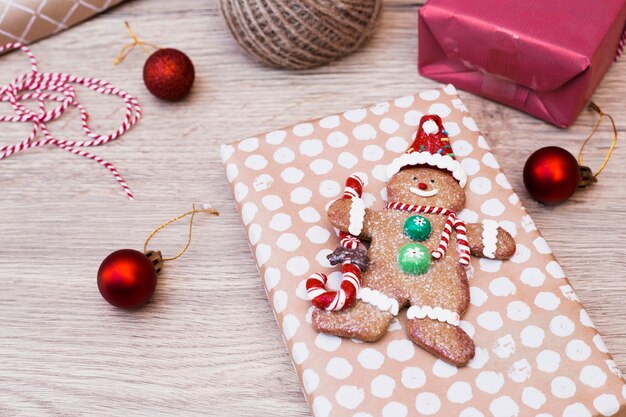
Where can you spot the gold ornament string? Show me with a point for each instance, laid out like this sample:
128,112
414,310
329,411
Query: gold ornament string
593,106
191,213
126,49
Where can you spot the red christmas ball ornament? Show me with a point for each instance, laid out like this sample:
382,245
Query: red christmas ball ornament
169,74
127,278
552,175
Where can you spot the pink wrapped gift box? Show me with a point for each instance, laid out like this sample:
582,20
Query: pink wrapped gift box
545,58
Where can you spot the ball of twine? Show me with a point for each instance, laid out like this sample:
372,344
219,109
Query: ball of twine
300,34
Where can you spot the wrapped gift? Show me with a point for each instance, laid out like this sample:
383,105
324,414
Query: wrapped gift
537,352
27,21
545,58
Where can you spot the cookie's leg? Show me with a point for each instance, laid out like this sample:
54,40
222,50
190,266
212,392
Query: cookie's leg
444,340
361,321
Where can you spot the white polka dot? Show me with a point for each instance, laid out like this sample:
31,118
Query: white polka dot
400,350
290,326
412,117
254,233
310,380
467,327
610,363
226,151
520,371
298,265
355,115
504,346
300,195
430,95
380,108
231,172
373,153
321,166
443,369
482,143
490,320
311,147
568,292
330,122
309,215
292,175
576,410
470,165
599,342
462,148
303,129
518,311
490,160
337,139
339,368
547,300
321,407
533,398
388,125
470,124
502,287
272,278
585,320
471,412
280,301
468,216
440,110
548,361
317,234
532,336
532,277
477,296
370,358
256,162
489,265
427,403
382,386
490,382
364,132
276,137
262,182
329,188
321,258
521,255
504,407
395,409
563,387
248,212
492,207
413,377
480,358
284,155
452,128
555,270
347,160
606,404
404,102
350,396
397,144
299,352
593,376
509,227
241,191
288,242
480,185
327,342
562,326
459,392
542,246
577,350
503,182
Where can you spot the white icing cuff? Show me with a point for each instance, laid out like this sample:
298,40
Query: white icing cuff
435,313
357,216
490,238
435,160
379,300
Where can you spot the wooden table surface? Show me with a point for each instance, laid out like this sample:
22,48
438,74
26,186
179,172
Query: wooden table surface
208,343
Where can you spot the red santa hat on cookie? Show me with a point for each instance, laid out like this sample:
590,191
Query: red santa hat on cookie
430,147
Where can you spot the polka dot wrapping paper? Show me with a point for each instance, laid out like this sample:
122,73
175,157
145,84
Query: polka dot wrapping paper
537,350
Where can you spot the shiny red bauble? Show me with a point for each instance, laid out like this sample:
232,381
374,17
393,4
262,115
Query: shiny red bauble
127,278
169,74
551,175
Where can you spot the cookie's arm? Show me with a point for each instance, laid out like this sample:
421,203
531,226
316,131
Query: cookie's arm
487,240
346,215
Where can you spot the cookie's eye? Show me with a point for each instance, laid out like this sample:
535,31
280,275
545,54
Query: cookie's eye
414,178
432,181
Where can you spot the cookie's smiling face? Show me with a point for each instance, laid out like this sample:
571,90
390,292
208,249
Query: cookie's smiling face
426,186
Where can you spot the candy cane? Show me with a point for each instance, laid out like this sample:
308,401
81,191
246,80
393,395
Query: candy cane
351,274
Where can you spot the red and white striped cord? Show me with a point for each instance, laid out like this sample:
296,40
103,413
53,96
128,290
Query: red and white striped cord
351,274
41,87
621,45
451,221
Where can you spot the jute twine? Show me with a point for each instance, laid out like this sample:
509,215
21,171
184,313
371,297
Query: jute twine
300,34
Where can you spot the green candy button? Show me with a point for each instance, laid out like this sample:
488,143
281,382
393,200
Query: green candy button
417,228
414,259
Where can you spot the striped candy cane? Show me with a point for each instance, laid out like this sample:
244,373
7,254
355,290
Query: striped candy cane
59,88
351,273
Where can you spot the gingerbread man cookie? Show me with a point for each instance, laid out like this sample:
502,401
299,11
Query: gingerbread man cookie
418,253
